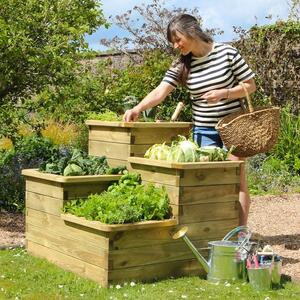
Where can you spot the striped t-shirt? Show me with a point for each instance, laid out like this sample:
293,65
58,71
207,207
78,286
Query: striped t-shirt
222,68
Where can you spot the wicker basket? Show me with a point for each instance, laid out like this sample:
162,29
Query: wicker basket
250,131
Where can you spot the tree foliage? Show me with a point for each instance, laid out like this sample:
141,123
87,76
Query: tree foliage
147,27
39,43
273,52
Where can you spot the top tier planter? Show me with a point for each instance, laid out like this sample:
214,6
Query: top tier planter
120,140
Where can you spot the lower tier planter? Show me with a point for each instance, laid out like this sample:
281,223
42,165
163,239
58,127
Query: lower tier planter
142,251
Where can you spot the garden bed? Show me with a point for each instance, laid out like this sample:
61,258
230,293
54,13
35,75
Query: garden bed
119,140
104,253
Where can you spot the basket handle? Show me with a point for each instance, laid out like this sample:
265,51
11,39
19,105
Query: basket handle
242,84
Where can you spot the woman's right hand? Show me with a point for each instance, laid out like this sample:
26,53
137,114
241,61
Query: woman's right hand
131,115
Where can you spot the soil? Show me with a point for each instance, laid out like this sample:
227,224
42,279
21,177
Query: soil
274,219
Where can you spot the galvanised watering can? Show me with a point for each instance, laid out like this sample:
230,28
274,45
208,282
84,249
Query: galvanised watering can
227,259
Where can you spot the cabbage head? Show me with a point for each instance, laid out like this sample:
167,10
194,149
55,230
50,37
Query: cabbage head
73,170
176,154
190,150
158,151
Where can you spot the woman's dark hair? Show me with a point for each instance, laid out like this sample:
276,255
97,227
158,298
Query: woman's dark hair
189,27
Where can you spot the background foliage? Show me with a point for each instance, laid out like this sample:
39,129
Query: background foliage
39,45
278,76
50,84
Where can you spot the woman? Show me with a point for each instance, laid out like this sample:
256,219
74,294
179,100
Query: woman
211,72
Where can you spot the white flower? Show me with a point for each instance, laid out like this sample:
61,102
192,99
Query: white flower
118,286
81,295
227,284
132,283
60,286
170,291
184,296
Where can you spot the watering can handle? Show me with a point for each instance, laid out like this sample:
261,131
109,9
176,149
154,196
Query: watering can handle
235,231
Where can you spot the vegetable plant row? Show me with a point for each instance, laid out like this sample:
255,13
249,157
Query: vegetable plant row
78,163
184,150
127,201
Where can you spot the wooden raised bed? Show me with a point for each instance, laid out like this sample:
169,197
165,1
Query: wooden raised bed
204,196
119,140
104,253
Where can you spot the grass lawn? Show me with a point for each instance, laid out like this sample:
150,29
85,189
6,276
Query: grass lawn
25,277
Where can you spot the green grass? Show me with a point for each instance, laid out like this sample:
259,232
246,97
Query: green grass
23,277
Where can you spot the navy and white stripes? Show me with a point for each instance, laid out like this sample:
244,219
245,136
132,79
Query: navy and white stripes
222,68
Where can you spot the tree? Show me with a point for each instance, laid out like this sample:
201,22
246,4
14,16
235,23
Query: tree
147,31
39,44
294,10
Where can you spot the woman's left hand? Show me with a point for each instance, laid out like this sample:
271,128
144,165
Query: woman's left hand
214,96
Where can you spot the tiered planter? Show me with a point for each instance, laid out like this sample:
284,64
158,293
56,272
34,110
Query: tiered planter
119,140
104,253
204,196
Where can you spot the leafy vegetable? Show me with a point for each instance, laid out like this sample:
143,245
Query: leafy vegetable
124,202
78,163
107,115
158,151
184,150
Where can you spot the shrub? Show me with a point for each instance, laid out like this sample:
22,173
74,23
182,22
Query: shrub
268,175
278,76
287,148
29,152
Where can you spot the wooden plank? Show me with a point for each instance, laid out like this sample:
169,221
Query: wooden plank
48,188
117,227
158,175
110,134
87,252
157,271
116,150
209,177
207,212
56,225
177,250
200,194
209,194
150,136
117,162
44,203
142,237
111,150
185,166
69,263
73,191
34,173
139,124
209,230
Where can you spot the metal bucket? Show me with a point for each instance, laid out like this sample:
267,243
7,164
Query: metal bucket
226,263
276,272
260,278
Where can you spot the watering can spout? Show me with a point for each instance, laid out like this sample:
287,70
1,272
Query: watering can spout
182,234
